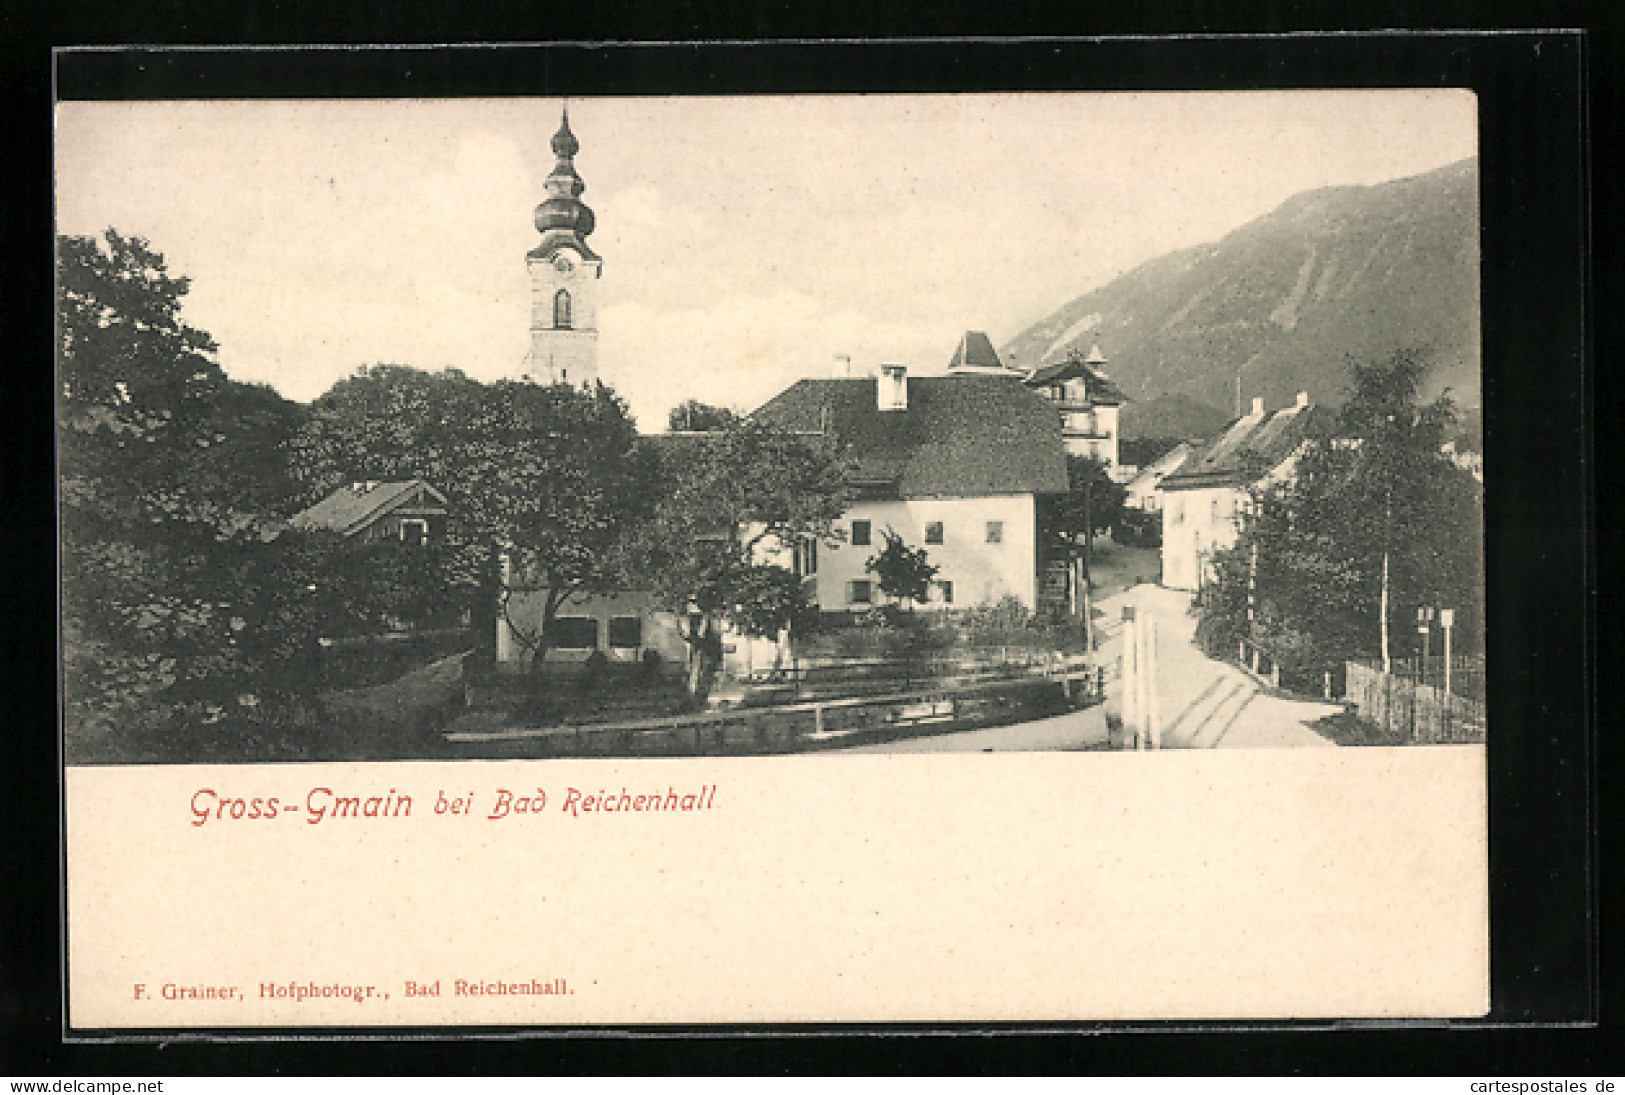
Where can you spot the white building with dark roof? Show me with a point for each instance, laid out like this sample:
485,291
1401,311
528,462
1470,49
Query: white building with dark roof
1088,402
958,465
1143,492
1205,500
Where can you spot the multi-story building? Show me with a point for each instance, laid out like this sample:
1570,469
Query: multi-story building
955,464
1205,500
1088,402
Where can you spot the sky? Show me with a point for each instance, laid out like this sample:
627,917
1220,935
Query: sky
746,241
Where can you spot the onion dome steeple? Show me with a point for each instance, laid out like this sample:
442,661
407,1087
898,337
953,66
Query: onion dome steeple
563,218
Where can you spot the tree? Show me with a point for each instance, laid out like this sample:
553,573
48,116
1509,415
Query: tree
1373,523
1399,445
549,477
735,508
171,479
692,416
904,573
1093,503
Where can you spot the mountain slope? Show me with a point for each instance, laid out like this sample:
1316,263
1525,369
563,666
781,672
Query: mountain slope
1289,299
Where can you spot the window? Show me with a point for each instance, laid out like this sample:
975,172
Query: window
561,309
414,531
860,533
942,592
806,558
933,532
575,633
860,591
995,532
625,632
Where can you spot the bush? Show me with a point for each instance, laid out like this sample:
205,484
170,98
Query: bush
592,670
998,624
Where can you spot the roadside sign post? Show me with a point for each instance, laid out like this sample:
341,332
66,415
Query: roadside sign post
1424,619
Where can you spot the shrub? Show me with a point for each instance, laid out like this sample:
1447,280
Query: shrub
592,670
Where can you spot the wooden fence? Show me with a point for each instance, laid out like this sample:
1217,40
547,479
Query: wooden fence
1404,705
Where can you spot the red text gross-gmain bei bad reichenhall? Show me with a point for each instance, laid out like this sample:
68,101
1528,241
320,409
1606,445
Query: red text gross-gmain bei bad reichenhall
324,804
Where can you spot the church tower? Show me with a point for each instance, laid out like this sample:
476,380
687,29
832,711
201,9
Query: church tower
564,276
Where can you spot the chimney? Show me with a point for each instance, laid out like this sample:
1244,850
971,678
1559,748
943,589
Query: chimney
891,390
1303,399
1258,406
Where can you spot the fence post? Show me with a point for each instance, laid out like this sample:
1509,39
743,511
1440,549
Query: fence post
1326,686
1131,677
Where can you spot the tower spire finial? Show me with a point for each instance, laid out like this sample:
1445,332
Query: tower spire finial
565,145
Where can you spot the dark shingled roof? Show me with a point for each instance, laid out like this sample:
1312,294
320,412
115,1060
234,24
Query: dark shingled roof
1251,448
961,436
347,509
1101,390
975,350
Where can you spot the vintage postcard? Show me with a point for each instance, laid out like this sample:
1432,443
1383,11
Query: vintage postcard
774,559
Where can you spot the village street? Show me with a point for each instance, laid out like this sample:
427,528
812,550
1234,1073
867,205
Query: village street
1203,704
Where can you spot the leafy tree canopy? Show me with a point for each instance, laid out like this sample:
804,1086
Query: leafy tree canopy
736,507
904,573
692,416
1094,502
1378,492
549,476
182,613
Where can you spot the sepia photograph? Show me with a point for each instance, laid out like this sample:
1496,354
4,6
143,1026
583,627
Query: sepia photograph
630,427
556,562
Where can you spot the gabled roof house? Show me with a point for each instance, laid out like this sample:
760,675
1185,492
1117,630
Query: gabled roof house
954,464
410,511
1205,498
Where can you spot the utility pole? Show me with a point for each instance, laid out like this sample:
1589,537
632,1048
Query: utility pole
1088,558
1130,675
1252,602
1153,726
1447,620
1382,607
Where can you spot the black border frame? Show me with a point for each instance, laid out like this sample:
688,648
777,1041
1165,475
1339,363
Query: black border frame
1536,293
